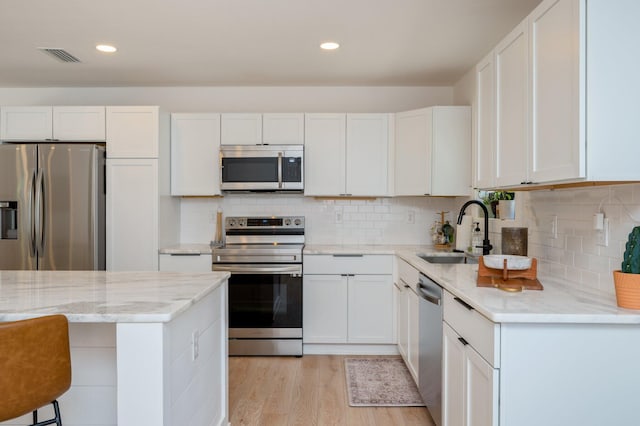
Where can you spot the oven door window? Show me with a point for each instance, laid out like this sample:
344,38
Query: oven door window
265,301
253,169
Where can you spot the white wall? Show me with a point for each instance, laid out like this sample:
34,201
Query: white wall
238,99
379,221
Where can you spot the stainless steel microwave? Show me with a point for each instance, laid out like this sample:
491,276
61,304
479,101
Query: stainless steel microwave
262,168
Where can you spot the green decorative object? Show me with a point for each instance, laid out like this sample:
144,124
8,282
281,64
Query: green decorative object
631,258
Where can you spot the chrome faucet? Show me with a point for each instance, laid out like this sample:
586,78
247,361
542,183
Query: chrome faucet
486,244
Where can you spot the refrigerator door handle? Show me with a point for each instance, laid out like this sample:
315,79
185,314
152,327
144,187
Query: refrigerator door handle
40,209
32,214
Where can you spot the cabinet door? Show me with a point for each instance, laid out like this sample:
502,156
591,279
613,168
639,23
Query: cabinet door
195,147
413,346
403,320
324,161
283,129
367,156
453,386
512,85
79,124
481,384
185,262
132,214
557,145
324,313
412,153
370,316
241,129
132,132
484,147
450,139
26,123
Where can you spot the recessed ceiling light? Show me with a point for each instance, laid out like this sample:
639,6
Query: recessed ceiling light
329,45
106,48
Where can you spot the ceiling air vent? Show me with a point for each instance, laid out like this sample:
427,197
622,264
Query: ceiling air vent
59,54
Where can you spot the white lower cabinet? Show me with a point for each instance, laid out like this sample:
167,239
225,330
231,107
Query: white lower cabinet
186,262
341,304
470,362
408,316
470,384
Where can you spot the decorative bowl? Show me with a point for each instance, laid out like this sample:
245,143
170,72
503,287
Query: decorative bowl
514,263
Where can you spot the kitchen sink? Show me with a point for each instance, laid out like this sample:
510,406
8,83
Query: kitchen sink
449,258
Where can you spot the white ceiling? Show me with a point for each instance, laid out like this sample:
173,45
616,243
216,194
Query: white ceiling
250,42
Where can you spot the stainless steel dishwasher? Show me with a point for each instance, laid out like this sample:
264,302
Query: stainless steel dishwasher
430,346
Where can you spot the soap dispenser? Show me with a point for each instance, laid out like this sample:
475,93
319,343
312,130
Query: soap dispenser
476,239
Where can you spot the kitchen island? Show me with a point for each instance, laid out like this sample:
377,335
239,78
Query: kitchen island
147,348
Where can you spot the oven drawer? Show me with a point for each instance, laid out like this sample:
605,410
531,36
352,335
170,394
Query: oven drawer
371,264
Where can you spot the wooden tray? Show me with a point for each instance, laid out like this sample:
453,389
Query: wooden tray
509,280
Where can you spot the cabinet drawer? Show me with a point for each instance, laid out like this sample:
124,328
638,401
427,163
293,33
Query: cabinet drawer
348,264
185,263
477,330
408,273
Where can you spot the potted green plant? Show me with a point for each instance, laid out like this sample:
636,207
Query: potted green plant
494,198
627,279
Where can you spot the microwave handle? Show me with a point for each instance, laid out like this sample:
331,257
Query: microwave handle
280,170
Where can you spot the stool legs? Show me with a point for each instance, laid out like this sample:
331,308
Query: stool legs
57,419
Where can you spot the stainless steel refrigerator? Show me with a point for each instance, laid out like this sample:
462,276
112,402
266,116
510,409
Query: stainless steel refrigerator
52,206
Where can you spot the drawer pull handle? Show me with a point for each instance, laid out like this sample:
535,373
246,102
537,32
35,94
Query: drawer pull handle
463,303
461,340
348,255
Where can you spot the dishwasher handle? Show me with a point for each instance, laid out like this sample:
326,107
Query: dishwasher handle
429,297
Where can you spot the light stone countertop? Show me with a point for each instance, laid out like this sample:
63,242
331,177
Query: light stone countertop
559,302
99,296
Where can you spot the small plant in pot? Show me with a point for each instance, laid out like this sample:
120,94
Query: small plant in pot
627,280
492,199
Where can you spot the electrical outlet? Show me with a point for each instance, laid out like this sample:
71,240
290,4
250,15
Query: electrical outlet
195,345
411,217
602,236
338,217
554,227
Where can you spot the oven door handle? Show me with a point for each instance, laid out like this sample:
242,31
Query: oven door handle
294,270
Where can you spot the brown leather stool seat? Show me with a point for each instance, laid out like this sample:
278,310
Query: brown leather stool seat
35,366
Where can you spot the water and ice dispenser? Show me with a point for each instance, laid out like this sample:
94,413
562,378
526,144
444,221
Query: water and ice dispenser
8,220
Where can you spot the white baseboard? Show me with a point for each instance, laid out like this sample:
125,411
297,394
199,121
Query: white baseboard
344,349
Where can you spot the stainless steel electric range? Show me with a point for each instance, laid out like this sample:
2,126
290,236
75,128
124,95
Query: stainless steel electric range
264,256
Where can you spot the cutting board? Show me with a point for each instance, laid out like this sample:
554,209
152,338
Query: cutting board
509,280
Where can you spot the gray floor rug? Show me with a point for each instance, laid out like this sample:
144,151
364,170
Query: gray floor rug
383,382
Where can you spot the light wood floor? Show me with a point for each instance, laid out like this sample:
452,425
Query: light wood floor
303,391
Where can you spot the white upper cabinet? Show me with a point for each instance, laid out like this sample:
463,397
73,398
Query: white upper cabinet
283,129
241,129
52,124
577,117
195,146
512,129
484,164
557,143
132,131
433,151
259,129
367,156
324,165
346,154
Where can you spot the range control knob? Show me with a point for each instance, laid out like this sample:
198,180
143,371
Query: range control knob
232,222
287,222
297,222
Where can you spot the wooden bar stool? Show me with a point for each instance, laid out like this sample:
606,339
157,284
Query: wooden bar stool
35,366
